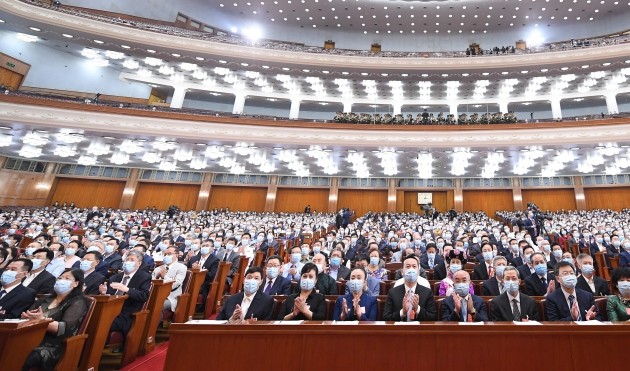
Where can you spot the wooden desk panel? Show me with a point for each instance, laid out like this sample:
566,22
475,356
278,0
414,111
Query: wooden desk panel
435,346
17,340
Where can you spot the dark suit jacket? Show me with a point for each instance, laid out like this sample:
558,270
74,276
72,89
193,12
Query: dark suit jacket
624,259
394,304
139,287
92,282
558,309
281,286
101,268
439,272
44,283
16,301
480,272
344,273
601,286
535,287
502,308
260,308
448,310
490,287
211,265
424,261
514,261
114,261
524,271
315,301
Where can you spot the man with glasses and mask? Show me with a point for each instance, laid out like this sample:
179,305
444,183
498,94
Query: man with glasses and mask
274,283
410,301
494,285
568,303
15,298
513,305
39,279
93,279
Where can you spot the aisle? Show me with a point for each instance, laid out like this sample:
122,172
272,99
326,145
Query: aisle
153,361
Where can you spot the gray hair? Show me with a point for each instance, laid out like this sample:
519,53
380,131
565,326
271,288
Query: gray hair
510,268
497,258
137,254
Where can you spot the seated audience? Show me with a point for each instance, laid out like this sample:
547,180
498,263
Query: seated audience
618,306
462,305
494,285
171,270
587,280
306,304
274,283
410,301
431,258
66,308
93,279
447,284
373,268
207,262
373,285
249,304
15,298
484,270
336,269
358,305
513,305
39,279
541,283
292,269
568,303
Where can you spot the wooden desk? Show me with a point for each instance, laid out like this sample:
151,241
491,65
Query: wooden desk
433,346
17,340
106,308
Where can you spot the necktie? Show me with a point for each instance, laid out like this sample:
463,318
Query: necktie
515,312
490,270
268,288
124,282
464,310
2,293
431,263
501,288
544,281
571,301
225,256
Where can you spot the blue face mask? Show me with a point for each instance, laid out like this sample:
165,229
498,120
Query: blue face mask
487,255
8,277
217,244
29,251
541,269
335,261
69,251
129,266
499,269
411,275
85,265
307,284
63,287
205,250
250,286
511,286
570,281
187,242
374,260
624,287
272,272
462,289
355,286
588,269
37,263
168,259
431,255
393,244
455,268
295,258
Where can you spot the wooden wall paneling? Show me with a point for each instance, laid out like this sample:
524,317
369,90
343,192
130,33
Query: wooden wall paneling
362,201
10,79
238,198
615,198
20,189
163,195
295,199
88,192
440,201
400,201
550,199
488,201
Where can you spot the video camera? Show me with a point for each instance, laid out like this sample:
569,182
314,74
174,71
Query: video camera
536,211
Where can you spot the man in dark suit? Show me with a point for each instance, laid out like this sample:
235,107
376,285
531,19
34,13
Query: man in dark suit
527,268
325,285
14,297
93,279
462,306
529,223
337,270
274,283
482,270
542,282
132,282
112,258
431,258
39,279
229,254
587,280
569,303
494,285
514,257
410,302
513,305
249,303
207,261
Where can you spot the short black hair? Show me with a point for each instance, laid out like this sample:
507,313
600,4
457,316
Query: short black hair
411,256
273,257
363,257
619,273
561,264
49,254
97,255
254,270
309,267
28,264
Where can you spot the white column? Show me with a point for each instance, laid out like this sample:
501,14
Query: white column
294,112
611,104
347,107
503,106
397,108
178,97
452,107
556,110
239,104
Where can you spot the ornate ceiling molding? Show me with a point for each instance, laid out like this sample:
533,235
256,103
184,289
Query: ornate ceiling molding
201,47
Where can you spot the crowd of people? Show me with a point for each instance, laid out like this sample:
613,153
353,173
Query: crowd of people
224,37
118,252
425,118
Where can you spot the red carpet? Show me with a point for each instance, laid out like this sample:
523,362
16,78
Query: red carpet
152,361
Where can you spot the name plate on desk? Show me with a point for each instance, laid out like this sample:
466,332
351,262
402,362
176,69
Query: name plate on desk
206,322
592,323
288,322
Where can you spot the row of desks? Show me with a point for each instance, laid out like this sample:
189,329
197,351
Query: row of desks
323,345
